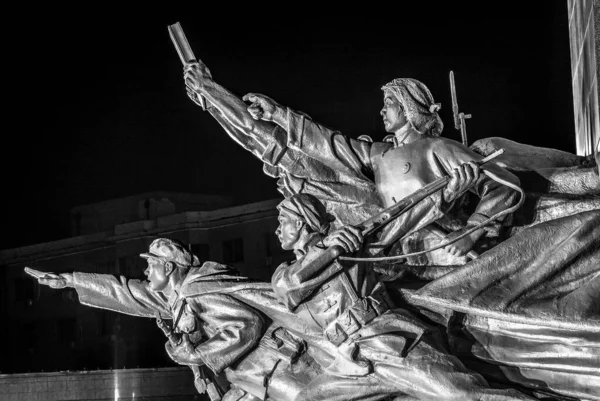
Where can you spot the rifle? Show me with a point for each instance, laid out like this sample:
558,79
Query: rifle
186,55
386,216
459,118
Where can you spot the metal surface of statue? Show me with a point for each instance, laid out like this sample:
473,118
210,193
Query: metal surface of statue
381,350
377,166
416,275
216,330
218,324
516,302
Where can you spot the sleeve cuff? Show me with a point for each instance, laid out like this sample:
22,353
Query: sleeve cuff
213,365
476,218
295,129
273,153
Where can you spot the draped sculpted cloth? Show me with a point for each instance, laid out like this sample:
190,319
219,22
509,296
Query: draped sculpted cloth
530,307
221,315
308,158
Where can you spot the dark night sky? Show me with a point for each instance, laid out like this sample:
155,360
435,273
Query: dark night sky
98,107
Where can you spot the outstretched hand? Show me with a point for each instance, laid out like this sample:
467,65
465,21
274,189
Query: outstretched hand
349,238
262,107
461,179
52,280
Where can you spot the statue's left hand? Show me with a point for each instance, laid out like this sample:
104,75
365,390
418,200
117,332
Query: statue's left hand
464,245
200,384
183,353
56,281
348,237
461,179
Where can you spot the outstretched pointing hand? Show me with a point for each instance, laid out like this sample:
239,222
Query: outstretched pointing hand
50,279
262,107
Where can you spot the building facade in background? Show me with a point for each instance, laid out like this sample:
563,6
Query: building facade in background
49,330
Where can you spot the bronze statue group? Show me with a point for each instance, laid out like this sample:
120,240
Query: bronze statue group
481,291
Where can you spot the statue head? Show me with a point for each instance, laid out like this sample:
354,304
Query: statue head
299,216
168,260
416,102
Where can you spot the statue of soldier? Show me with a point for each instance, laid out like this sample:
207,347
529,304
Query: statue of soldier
260,359
223,329
381,351
383,172
349,165
414,156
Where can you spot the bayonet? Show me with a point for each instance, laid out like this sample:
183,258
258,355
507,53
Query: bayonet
459,118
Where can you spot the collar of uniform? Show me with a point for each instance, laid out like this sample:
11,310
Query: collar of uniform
175,295
404,132
173,299
313,239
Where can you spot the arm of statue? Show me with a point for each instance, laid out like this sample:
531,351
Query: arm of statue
330,147
105,291
497,190
294,283
427,211
232,109
237,329
269,149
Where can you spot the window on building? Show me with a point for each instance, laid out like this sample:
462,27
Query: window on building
132,266
105,267
24,289
29,334
105,321
272,247
66,294
66,330
233,250
201,250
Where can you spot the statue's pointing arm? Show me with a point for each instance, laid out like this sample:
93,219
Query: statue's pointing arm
231,112
269,149
333,149
132,297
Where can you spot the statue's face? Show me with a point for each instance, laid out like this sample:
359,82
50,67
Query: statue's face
392,113
289,230
157,275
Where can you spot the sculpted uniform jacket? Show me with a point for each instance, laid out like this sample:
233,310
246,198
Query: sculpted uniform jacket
221,316
228,327
398,172
346,304
381,351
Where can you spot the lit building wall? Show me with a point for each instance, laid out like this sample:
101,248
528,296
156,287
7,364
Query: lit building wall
49,330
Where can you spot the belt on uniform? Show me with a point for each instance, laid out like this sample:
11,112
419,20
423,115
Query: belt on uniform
355,317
